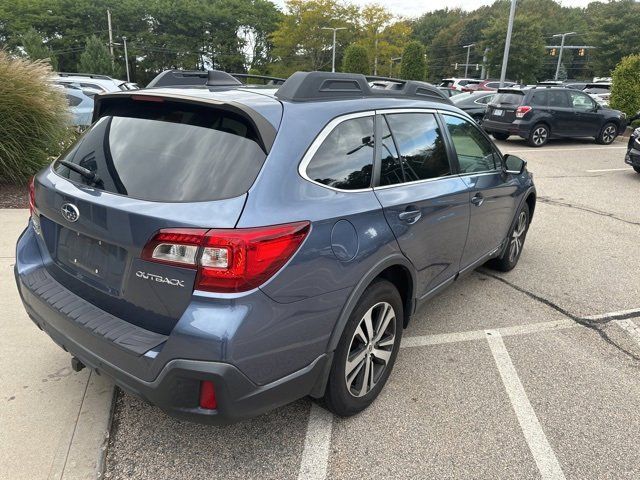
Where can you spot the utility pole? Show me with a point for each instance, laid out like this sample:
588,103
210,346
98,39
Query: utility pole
126,57
507,43
563,35
110,35
333,60
466,65
375,59
484,74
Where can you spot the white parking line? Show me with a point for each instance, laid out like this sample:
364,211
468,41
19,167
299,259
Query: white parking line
437,339
631,328
607,170
534,435
315,455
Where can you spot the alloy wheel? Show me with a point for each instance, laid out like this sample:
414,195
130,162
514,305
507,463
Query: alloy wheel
370,349
609,134
540,135
517,238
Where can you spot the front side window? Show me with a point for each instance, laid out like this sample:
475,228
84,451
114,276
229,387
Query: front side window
420,144
345,158
581,101
475,152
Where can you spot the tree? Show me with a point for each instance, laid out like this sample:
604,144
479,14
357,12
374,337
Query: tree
527,46
356,60
413,66
614,30
95,58
625,90
35,48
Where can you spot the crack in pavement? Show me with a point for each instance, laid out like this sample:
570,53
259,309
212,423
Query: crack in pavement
551,201
593,324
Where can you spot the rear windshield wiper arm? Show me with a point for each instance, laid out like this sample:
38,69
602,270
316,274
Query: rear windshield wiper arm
84,172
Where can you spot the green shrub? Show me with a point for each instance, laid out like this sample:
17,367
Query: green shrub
356,60
34,118
625,91
414,65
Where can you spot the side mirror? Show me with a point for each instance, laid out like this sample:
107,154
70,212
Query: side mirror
514,165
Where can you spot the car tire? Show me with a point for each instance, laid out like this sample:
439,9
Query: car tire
347,392
607,134
515,242
500,136
637,169
539,135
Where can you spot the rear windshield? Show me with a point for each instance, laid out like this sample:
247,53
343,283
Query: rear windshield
168,152
508,98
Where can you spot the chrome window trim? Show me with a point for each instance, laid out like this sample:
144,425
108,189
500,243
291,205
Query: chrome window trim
319,140
417,182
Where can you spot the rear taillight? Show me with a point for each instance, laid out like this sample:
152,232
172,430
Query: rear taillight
522,111
228,260
32,196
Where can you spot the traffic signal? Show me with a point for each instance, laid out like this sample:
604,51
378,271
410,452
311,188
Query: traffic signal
552,52
581,52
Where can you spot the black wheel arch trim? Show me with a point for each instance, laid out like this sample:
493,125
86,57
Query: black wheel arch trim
529,191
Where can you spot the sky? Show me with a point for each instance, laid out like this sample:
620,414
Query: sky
415,8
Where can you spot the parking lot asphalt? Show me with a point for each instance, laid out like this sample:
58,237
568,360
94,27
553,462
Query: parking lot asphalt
530,374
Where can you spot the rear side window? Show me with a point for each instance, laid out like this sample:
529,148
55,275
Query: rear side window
345,158
168,152
558,98
540,98
508,98
420,144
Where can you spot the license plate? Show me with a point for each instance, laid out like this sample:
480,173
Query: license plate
84,253
498,112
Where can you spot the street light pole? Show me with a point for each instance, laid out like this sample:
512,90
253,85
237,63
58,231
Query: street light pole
507,43
394,59
466,65
333,60
126,57
563,35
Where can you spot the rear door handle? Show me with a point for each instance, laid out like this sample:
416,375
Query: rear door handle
477,199
410,216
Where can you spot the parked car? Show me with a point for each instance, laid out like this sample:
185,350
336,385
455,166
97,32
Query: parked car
600,92
474,103
103,83
458,83
81,106
283,259
489,85
632,156
540,113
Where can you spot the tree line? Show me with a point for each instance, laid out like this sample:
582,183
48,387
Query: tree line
255,36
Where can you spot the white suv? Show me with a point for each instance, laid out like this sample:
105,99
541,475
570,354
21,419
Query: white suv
103,83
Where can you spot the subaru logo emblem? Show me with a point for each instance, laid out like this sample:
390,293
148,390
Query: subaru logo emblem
70,212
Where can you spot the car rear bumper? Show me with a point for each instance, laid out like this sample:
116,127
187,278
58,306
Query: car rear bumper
514,128
133,357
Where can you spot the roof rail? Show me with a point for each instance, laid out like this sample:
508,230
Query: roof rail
310,86
88,75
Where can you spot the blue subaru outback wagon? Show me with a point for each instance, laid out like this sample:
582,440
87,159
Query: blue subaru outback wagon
221,250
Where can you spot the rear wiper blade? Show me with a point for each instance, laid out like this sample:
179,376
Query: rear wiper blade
84,172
